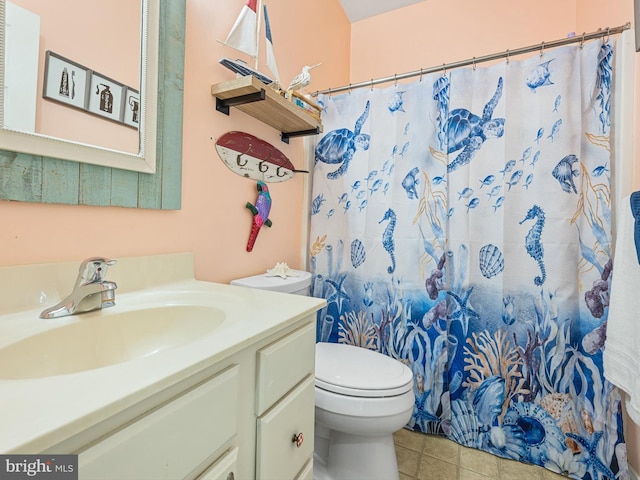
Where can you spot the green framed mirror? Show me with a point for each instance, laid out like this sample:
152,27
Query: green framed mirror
40,178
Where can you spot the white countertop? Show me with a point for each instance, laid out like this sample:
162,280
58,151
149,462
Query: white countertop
38,413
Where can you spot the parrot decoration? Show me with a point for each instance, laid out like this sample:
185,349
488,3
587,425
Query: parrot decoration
260,213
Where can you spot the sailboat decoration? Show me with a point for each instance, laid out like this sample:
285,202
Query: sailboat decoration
245,37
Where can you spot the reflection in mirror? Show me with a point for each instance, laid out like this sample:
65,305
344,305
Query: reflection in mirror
75,76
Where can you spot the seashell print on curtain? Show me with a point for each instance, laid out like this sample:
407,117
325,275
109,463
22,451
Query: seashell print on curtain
462,225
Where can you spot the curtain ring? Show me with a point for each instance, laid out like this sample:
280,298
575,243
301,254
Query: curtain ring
420,74
444,70
395,76
474,64
606,40
582,41
507,56
372,84
350,89
542,49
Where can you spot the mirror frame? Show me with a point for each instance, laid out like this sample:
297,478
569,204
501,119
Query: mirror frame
45,179
43,145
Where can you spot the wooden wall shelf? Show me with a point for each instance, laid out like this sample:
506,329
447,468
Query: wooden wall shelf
254,98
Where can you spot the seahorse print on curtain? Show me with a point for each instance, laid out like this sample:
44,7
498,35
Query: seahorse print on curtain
461,224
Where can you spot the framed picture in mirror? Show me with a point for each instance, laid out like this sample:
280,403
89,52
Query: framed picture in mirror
131,113
105,97
64,81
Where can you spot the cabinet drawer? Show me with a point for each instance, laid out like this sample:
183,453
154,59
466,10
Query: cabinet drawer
277,455
283,364
171,441
224,468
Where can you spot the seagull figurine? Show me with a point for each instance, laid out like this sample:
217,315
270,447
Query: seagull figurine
302,79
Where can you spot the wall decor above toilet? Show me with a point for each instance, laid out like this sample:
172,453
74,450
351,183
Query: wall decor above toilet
260,212
252,157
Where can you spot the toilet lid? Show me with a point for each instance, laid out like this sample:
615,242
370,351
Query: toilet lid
359,372
297,282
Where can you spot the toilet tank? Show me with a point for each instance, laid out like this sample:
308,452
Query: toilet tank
297,284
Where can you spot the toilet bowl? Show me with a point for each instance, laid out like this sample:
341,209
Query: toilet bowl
361,397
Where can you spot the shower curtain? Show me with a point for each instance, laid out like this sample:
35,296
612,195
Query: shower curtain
462,225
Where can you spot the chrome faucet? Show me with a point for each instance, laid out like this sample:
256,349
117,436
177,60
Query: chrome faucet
91,291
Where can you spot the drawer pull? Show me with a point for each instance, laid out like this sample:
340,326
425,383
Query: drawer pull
298,439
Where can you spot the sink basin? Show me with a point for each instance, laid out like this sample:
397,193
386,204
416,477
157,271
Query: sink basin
102,338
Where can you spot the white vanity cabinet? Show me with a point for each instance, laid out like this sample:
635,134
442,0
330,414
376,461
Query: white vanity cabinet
196,381
252,417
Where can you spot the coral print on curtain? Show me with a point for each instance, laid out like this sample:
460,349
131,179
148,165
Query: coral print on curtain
462,225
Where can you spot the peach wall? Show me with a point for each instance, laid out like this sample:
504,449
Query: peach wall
213,222
432,33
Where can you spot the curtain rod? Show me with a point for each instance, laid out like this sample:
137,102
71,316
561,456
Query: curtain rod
475,60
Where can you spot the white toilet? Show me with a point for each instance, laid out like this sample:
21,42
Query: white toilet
362,397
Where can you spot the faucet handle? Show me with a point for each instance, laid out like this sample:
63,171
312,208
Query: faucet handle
93,270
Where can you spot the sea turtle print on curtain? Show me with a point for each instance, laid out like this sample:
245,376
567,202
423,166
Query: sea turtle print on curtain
467,233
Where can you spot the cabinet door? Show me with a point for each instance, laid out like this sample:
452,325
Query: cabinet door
278,457
170,442
224,468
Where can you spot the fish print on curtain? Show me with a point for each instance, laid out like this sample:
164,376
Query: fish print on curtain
462,225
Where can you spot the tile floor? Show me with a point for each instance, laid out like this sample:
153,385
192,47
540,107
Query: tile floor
430,457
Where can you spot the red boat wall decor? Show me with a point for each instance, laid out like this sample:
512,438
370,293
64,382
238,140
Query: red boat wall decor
252,157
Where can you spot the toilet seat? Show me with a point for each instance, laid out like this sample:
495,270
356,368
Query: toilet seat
357,372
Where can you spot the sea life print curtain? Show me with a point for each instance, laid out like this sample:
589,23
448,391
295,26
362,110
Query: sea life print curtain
462,225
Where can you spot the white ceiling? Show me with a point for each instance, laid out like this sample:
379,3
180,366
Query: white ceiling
360,9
